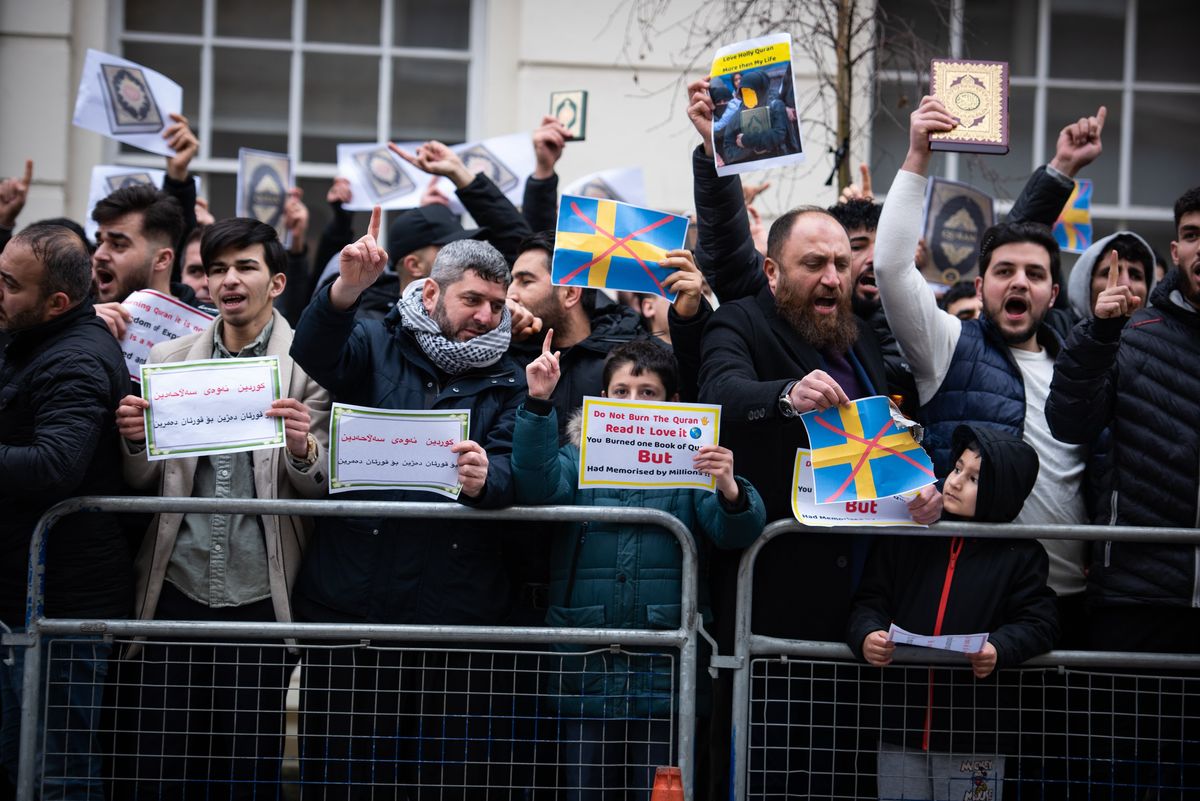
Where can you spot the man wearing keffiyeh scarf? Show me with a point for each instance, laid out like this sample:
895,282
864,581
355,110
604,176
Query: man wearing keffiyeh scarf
443,347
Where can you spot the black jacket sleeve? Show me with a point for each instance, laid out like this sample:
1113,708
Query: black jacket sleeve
338,234
1083,391
330,346
727,372
185,192
298,289
540,205
489,207
874,599
686,340
1031,615
724,248
1042,199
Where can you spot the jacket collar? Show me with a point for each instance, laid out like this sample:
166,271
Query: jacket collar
30,340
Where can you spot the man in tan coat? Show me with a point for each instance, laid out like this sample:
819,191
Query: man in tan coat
212,716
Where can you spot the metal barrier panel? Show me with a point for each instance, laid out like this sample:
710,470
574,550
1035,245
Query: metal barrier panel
811,721
353,710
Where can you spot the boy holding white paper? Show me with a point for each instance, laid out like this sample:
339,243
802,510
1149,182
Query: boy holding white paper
956,585
619,576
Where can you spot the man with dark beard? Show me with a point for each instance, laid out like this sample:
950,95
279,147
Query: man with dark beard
793,347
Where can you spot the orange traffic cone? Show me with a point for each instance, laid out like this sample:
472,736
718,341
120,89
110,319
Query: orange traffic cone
668,785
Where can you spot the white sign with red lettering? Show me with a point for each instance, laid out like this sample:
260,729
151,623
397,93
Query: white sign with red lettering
890,511
645,444
156,318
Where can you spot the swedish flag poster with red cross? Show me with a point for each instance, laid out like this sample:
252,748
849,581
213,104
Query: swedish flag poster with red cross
863,451
613,245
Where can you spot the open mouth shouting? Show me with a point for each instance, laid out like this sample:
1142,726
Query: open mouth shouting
866,286
232,302
825,304
1016,308
105,281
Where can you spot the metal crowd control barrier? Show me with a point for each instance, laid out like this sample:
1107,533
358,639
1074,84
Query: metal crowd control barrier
683,638
1175,696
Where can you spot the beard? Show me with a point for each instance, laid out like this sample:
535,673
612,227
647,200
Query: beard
835,332
1014,336
452,332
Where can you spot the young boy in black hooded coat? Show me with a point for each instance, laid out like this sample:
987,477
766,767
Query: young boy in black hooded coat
941,735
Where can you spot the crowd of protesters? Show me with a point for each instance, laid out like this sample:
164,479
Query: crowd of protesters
1046,400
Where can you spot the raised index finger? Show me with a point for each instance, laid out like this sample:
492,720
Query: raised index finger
373,227
1101,113
546,341
1112,269
866,178
28,177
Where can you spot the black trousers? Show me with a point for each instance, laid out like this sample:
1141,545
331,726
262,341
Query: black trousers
196,720
395,724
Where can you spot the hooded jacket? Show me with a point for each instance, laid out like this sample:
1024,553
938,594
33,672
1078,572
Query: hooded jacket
956,585
617,575
1079,284
1139,378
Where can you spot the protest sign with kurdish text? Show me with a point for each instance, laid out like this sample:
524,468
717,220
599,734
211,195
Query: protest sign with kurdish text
379,449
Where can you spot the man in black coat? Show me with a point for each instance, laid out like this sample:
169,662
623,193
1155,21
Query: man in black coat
1135,370
61,378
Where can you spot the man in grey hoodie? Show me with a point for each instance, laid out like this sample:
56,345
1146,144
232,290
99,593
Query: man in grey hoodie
1089,276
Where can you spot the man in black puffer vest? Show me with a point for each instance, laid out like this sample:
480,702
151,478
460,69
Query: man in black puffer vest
1135,370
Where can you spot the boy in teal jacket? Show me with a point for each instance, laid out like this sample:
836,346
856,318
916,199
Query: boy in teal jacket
615,708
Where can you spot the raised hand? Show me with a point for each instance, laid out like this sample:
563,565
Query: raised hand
816,391
472,467
185,144
13,193
751,191
859,191
930,117
700,111
432,195
437,159
339,192
359,264
542,373
203,215
877,650
296,423
549,141
131,421
717,462
1117,299
295,218
686,282
524,322
1079,143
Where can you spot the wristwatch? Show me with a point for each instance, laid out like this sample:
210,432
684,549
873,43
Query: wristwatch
785,401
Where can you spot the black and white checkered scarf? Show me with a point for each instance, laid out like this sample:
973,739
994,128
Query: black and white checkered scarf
452,356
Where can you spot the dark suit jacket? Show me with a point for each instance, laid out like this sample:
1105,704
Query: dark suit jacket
803,583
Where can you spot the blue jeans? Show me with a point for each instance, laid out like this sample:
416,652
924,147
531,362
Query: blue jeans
68,757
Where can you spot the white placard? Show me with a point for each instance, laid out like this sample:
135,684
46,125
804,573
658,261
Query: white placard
890,511
645,444
108,178
367,167
627,185
211,406
156,318
373,449
123,100
960,643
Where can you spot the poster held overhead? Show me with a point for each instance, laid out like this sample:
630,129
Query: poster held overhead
570,108
755,123
126,101
262,187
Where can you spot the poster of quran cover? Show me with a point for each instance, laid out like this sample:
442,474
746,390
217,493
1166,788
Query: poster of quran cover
956,215
570,108
378,177
262,183
507,160
627,185
108,178
976,94
126,101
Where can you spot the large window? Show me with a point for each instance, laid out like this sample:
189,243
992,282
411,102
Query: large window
1067,57
300,76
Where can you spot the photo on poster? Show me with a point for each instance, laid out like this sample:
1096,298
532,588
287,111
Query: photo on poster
131,105
478,159
263,181
753,90
115,182
382,174
570,108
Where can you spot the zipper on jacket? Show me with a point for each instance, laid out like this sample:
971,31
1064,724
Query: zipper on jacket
956,546
1196,553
